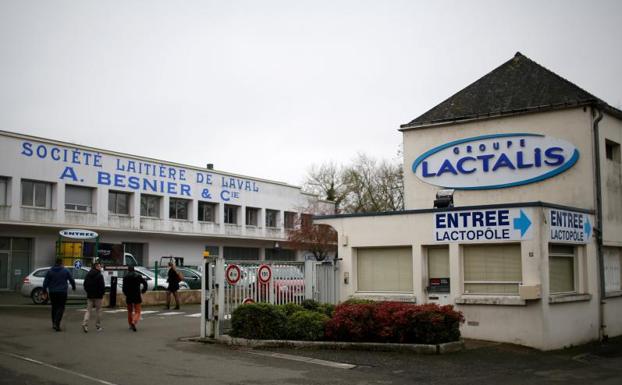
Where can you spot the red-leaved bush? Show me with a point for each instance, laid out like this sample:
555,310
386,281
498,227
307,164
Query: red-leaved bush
394,322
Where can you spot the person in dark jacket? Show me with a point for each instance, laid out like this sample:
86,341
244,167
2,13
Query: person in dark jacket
131,288
95,287
174,277
55,286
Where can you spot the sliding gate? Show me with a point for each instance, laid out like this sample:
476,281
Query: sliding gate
232,283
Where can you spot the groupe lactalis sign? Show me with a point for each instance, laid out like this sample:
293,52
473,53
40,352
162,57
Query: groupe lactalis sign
495,161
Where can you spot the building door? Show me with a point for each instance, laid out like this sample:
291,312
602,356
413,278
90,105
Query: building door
4,271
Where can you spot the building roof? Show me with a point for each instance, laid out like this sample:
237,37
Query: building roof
519,85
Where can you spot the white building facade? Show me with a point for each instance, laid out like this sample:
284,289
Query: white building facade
532,249
152,208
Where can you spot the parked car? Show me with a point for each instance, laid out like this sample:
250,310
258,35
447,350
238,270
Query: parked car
32,285
192,277
150,278
289,283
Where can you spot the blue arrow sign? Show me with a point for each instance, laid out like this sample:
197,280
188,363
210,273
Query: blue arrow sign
522,223
587,228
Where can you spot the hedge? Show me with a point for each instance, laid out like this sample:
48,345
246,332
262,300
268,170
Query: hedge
357,322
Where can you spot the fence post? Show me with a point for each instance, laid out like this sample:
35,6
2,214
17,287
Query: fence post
220,294
309,264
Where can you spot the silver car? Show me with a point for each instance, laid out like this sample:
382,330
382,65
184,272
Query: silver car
32,285
149,276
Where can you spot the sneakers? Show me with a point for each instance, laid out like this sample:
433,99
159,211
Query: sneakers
176,307
85,328
99,328
133,327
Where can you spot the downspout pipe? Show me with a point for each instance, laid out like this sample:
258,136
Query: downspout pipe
598,228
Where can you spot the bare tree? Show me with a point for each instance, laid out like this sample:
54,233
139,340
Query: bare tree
320,240
365,185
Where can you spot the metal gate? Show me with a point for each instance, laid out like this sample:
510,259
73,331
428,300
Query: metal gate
290,282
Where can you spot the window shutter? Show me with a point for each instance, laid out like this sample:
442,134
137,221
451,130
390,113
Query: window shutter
438,262
385,269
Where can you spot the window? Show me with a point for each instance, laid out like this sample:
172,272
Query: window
231,214
280,255
290,220
561,269
272,217
613,268
78,198
438,262
118,203
241,253
178,208
207,212
252,216
4,183
150,206
612,150
386,269
36,194
492,269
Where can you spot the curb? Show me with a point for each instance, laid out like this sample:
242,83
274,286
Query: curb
448,347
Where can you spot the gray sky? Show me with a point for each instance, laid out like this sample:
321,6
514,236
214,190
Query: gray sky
267,88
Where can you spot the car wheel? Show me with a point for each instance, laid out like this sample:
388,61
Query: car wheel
38,296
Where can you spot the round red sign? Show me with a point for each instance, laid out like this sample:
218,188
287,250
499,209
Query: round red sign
233,274
264,273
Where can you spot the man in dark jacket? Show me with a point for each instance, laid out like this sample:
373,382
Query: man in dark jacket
95,287
131,288
55,283
173,279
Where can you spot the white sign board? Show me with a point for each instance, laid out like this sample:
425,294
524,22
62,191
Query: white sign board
78,234
486,225
569,226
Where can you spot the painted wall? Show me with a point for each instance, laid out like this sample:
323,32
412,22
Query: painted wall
571,125
544,323
611,128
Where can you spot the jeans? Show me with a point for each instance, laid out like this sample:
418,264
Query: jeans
90,304
58,307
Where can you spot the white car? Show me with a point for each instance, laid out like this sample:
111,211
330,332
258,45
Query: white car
149,276
32,285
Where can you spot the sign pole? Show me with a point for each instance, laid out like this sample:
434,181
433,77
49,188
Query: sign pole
204,272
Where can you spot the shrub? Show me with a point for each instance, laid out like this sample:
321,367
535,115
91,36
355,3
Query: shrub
258,321
290,308
310,304
395,322
326,308
306,325
351,322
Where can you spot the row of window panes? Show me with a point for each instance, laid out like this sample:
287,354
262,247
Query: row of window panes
38,194
488,269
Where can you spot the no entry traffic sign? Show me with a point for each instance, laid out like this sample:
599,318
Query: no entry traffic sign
233,274
264,273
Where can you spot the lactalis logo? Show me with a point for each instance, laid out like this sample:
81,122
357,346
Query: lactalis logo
495,161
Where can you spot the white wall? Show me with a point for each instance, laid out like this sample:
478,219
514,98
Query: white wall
575,187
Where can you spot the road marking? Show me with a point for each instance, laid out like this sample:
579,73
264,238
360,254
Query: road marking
173,313
195,315
148,311
58,368
115,311
331,364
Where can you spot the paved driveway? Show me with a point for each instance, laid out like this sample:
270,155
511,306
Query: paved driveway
32,353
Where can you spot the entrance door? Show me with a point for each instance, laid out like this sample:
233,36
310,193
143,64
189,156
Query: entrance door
4,271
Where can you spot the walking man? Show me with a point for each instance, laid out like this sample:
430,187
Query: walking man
174,277
55,283
95,287
131,288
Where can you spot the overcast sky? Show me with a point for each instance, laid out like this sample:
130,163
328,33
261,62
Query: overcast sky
268,88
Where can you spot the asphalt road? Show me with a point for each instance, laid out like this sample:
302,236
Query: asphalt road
32,353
